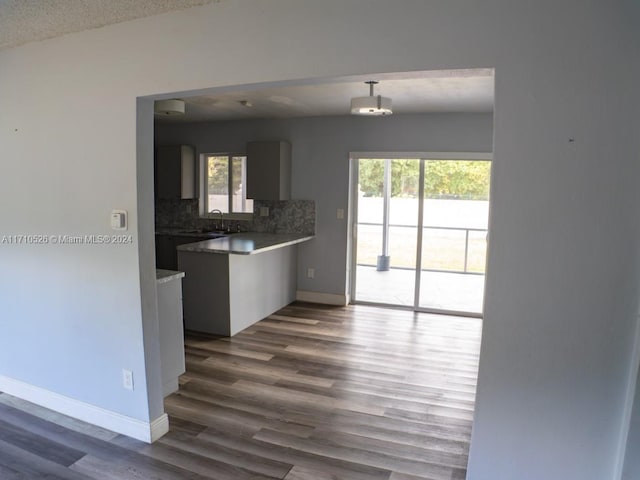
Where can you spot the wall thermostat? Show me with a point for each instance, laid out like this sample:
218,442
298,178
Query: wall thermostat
119,220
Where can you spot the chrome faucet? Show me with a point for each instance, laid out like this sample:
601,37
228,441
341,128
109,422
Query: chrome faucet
215,210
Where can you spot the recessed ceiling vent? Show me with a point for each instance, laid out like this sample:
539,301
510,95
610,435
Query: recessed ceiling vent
371,105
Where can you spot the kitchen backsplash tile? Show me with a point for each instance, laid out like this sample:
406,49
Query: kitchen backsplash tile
287,216
176,213
290,216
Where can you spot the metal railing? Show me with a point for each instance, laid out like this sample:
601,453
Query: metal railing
430,227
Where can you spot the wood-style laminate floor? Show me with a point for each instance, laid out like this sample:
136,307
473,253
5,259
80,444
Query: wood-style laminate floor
310,393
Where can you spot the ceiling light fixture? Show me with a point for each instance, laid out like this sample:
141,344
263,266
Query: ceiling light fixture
371,105
173,106
246,103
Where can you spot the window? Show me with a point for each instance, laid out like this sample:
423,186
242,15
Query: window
226,184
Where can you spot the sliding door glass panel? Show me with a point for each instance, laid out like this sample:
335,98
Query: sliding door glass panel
455,222
477,256
370,211
403,230
442,248
387,231
369,241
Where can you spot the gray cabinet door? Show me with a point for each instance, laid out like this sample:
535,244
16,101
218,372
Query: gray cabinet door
165,254
269,170
175,172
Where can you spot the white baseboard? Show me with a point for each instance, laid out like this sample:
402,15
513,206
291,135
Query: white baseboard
324,298
131,427
159,427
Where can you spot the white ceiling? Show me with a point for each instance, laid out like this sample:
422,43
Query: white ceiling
411,92
23,21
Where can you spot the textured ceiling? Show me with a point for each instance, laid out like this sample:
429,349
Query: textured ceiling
23,21
468,90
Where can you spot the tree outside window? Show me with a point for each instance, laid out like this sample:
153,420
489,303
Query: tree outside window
226,184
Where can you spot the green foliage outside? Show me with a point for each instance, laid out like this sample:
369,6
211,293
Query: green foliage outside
461,179
218,174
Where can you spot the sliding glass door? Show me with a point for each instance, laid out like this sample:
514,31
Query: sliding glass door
421,232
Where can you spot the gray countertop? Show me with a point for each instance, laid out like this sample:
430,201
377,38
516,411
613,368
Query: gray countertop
245,243
164,276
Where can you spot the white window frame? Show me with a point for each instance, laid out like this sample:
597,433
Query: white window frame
204,188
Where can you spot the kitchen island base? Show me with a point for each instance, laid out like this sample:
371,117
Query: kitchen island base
172,363
224,294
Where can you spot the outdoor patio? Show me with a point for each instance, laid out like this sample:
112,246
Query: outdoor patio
438,290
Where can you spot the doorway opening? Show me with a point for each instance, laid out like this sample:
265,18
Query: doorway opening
420,230
308,174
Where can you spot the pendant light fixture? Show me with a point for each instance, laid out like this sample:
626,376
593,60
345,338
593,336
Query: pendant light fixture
173,106
371,105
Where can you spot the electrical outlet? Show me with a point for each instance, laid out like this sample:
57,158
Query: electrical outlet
340,214
311,272
264,211
127,379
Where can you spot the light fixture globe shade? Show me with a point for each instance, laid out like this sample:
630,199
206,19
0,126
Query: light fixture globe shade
171,106
372,105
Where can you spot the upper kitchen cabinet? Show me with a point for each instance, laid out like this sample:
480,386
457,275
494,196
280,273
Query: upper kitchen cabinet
269,170
175,172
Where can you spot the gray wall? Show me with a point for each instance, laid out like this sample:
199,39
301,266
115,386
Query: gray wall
563,269
320,165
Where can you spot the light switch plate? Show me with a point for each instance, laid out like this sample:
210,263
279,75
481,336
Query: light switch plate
264,211
340,213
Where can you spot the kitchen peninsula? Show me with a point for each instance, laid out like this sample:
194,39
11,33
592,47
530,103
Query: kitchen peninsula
236,281
171,332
